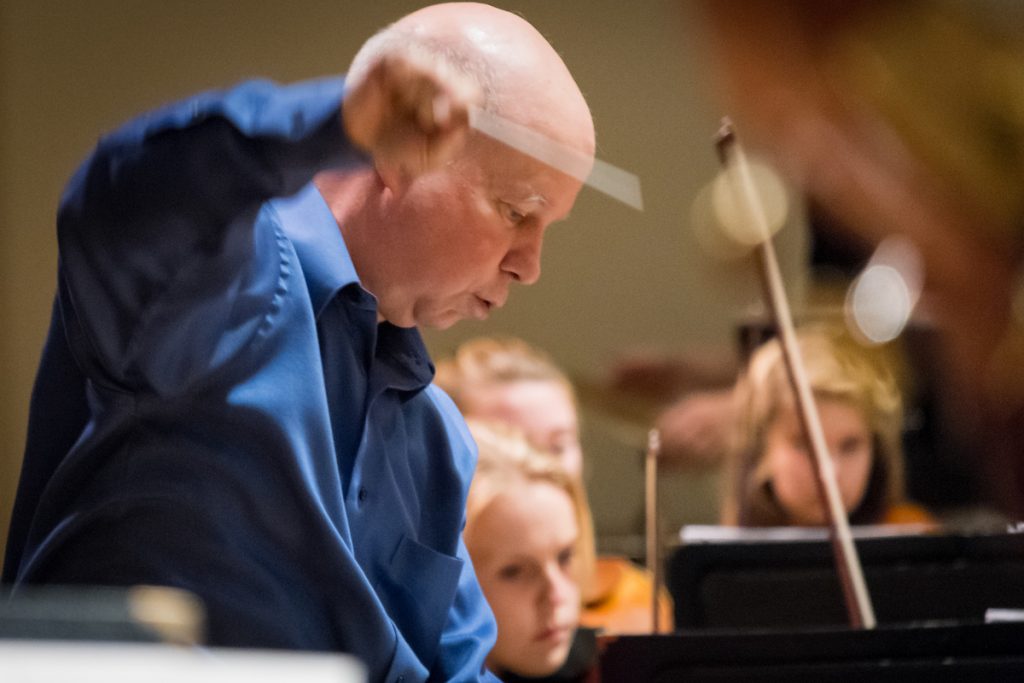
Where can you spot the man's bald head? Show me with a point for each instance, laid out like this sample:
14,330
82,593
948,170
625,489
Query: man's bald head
520,75
435,237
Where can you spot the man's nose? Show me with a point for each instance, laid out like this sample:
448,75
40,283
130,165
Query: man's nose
522,261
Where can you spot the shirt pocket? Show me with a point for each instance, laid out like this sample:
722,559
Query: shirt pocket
418,589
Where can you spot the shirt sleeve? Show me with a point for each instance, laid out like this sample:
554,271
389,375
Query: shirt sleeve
179,185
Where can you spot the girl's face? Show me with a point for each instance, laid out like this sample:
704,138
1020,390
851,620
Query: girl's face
788,458
543,409
523,548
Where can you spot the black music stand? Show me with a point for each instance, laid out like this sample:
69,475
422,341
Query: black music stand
888,654
793,583
771,610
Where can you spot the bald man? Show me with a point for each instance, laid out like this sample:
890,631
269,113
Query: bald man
234,398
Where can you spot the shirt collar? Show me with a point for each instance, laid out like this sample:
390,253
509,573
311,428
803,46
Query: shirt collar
308,223
403,361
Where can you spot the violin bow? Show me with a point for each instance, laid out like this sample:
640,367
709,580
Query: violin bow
737,171
653,530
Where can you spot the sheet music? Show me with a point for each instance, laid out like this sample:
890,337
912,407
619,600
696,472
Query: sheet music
710,533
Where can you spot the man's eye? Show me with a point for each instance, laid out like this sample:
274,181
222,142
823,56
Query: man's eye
511,214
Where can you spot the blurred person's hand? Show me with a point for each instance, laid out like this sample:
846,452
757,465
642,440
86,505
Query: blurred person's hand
695,431
665,377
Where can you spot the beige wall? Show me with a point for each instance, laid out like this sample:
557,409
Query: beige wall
613,278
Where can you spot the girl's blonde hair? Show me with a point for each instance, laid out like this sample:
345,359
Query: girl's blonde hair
506,458
485,361
489,361
838,368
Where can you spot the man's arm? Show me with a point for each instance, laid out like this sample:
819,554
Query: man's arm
180,187
177,185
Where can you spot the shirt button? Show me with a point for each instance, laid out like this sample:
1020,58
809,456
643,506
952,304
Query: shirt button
362,494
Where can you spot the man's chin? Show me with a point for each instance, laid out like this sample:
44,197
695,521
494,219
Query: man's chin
437,320
411,317
442,322
433,318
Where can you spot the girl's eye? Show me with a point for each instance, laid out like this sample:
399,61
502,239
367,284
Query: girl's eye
851,446
566,556
511,572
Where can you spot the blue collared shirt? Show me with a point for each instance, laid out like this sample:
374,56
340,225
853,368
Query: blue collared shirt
218,409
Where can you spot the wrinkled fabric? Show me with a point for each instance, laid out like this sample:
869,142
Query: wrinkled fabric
217,408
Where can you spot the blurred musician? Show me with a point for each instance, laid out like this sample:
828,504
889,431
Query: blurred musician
771,478
905,118
509,380
528,532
